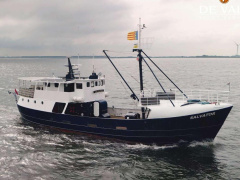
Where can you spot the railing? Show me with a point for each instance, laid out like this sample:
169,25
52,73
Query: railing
26,92
211,96
154,97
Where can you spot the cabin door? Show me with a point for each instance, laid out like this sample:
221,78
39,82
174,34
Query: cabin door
96,109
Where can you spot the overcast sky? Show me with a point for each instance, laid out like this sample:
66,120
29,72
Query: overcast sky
86,27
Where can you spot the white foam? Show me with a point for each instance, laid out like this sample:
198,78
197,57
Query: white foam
154,147
202,143
88,150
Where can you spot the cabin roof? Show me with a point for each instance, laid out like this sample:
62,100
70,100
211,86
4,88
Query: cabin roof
40,78
54,79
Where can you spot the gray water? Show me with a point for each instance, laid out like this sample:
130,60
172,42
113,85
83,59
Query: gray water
33,152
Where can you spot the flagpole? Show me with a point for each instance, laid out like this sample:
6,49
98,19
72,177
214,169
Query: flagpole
139,35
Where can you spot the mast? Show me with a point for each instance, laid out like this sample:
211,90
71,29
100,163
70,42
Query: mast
141,79
139,34
140,58
70,74
140,69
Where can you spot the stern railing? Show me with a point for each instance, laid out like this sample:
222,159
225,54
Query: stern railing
155,96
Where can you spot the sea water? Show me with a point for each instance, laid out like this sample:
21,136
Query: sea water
32,152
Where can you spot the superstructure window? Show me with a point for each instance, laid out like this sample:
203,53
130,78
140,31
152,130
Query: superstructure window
102,82
80,109
88,84
58,107
49,85
96,83
79,85
69,87
92,84
56,85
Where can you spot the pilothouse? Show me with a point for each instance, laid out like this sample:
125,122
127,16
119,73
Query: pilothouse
83,96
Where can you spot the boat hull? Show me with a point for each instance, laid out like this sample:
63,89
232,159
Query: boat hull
194,127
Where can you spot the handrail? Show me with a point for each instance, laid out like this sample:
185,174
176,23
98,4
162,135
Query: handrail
26,92
155,96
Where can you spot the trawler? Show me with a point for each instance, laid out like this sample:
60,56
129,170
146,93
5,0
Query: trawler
78,104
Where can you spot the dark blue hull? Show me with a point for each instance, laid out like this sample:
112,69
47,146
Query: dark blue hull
158,131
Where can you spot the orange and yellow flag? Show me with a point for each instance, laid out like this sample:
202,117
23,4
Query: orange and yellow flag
132,35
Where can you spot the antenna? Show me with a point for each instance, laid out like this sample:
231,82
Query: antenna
140,26
93,63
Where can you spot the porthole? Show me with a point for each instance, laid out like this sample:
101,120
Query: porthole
22,99
42,102
28,100
35,101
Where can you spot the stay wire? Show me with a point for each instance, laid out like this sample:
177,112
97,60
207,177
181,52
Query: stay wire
158,81
165,74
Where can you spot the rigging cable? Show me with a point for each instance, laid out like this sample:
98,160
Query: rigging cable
165,75
158,81
134,96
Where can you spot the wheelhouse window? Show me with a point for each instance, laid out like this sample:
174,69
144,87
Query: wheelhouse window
58,107
88,84
79,85
69,87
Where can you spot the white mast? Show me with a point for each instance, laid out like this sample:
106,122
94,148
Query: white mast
139,34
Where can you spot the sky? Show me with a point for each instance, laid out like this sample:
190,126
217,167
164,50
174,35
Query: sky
86,27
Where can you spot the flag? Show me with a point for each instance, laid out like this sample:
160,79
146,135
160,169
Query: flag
135,46
132,35
16,92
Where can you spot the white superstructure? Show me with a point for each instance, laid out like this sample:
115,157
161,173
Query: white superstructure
41,93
